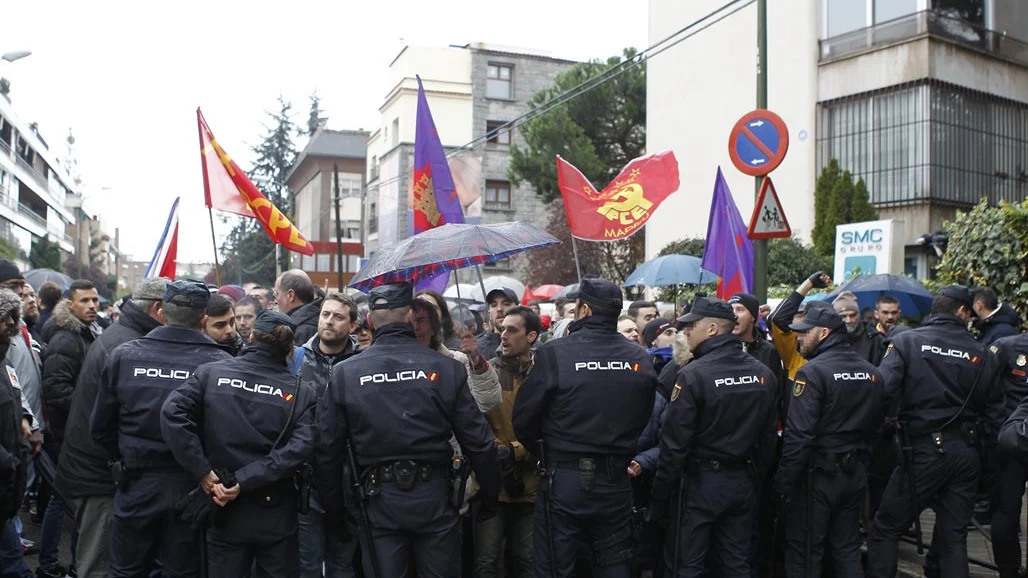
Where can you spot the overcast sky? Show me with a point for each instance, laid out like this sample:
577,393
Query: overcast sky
127,77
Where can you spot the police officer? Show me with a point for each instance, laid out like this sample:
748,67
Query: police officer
397,404
834,418
242,427
582,408
942,381
126,422
719,432
1012,359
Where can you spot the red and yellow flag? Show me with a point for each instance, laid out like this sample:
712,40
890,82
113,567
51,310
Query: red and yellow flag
624,206
228,189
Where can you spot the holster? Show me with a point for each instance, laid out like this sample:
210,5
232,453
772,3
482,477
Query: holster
119,474
586,474
460,470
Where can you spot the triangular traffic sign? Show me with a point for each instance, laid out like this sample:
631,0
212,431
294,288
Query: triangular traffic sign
768,220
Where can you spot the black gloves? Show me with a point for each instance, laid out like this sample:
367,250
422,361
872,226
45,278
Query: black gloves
194,508
817,281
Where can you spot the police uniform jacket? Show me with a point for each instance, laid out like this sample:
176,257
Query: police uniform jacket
764,351
140,374
399,400
931,370
230,414
1012,359
722,408
590,394
836,407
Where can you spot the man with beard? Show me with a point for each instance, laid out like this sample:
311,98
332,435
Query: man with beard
221,324
500,300
513,521
323,541
83,474
247,311
834,416
867,341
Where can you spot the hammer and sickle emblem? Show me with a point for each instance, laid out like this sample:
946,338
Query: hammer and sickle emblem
627,205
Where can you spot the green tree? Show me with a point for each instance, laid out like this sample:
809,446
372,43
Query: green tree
248,253
838,201
599,132
988,245
45,255
5,86
790,261
314,118
689,246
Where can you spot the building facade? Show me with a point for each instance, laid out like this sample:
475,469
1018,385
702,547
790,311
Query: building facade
472,90
312,184
926,100
36,192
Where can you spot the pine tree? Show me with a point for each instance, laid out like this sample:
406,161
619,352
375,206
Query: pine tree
860,208
248,253
837,201
824,233
314,118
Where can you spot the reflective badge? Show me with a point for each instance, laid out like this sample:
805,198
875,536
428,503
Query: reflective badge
993,349
888,350
797,389
674,393
1021,360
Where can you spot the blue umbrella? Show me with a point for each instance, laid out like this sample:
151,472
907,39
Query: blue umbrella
670,270
915,301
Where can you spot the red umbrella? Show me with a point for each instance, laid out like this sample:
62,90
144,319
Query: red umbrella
541,293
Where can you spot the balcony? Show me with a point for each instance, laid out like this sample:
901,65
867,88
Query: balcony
920,24
56,197
32,215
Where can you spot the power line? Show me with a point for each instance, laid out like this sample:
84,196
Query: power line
596,81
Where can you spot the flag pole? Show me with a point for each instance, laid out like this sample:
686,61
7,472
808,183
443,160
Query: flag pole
578,266
214,242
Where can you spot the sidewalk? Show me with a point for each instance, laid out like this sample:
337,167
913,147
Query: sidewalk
978,548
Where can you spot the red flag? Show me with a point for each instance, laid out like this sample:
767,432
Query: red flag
625,205
227,188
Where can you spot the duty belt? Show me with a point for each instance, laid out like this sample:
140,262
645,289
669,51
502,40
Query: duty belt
708,465
615,467
404,473
846,462
966,431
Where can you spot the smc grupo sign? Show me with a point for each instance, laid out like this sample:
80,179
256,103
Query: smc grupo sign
868,248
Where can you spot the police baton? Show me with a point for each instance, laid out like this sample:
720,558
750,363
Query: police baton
679,513
904,450
362,508
809,546
546,486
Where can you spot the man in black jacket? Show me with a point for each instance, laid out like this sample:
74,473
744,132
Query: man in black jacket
398,403
995,319
15,422
69,333
126,423
865,339
583,407
322,543
295,296
83,474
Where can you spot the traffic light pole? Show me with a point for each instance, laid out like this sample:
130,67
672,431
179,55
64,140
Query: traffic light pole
760,246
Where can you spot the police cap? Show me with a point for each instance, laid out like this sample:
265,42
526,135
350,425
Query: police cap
958,293
268,320
703,308
819,314
392,296
191,294
601,295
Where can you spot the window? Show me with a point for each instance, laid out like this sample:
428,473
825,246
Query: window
845,16
500,82
373,218
886,10
396,131
497,137
497,195
933,141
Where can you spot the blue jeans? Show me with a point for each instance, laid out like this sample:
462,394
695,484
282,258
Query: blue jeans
12,559
50,541
322,545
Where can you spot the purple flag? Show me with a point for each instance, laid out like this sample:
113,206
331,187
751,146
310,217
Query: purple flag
433,195
728,251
